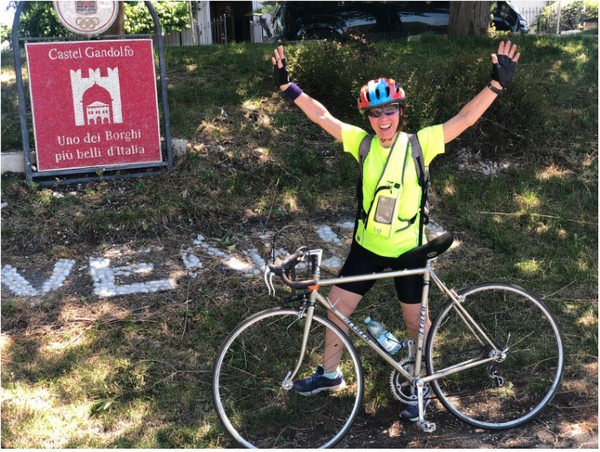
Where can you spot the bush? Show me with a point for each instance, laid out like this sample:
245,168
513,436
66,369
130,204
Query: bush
551,103
572,15
5,33
555,79
39,18
174,16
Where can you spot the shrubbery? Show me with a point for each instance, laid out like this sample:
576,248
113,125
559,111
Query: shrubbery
174,16
572,15
39,19
551,103
553,96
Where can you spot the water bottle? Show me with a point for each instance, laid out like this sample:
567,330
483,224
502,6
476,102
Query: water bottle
385,338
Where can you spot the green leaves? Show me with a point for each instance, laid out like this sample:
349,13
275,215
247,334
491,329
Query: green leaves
173,16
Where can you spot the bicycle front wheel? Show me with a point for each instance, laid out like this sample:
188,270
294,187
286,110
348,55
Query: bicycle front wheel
513,388
249,371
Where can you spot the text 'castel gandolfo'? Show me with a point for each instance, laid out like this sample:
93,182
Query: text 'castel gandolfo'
91,52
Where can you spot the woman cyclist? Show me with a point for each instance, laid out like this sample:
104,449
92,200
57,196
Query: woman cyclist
383,101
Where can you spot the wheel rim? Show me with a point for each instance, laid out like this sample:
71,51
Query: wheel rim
249,398
531,369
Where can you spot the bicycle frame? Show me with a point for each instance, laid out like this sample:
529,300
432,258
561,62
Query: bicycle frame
315,297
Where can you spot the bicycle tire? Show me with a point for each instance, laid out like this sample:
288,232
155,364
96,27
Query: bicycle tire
247,381
532,369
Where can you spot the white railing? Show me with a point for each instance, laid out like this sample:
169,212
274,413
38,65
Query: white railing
217,31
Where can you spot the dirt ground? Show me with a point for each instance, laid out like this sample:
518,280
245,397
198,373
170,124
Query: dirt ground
571,421
566,424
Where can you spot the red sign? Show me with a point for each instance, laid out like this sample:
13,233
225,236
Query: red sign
94,103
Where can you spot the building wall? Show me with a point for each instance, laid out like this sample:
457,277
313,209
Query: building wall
531,9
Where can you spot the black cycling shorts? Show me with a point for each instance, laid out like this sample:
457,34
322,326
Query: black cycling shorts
361,261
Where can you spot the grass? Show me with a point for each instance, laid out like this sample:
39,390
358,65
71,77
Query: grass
80,371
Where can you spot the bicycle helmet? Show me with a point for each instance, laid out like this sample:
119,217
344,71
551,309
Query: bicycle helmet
378,92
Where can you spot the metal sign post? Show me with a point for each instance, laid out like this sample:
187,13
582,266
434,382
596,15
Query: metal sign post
93,102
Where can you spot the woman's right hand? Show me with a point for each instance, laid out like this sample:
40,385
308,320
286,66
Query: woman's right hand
313,109
280,70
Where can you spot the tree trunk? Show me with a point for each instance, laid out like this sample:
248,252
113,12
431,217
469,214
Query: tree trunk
118,26
469,19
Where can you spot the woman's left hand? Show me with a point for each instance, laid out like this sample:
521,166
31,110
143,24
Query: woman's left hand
504,63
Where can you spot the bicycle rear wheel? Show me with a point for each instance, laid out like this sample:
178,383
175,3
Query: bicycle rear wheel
247,383
512,389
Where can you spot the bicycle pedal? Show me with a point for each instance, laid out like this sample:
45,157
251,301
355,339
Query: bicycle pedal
426,426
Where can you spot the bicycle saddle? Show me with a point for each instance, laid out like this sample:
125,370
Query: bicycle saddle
431,249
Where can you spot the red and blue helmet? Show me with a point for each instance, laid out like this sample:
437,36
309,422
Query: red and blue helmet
379,92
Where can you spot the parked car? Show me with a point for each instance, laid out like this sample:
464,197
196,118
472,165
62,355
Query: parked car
340,20
507,17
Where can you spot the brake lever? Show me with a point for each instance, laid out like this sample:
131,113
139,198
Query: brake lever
272,286
268,275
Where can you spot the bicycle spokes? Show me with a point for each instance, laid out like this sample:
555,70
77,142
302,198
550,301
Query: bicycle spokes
253,376
514,375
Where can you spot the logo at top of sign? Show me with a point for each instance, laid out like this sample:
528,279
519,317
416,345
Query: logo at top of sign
87,18
96,99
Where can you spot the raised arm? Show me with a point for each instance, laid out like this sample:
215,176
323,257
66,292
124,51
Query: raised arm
315,111
503,65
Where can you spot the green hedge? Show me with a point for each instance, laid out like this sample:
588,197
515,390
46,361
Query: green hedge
552,100
550,108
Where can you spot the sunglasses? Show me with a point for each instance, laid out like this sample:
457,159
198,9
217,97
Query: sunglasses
387,110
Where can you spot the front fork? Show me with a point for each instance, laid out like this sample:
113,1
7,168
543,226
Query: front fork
308,312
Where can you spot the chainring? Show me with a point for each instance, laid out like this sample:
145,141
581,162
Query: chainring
404,391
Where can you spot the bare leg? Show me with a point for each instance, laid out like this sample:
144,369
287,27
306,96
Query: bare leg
345,302
411,314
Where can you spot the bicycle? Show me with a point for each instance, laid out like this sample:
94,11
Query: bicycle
493,357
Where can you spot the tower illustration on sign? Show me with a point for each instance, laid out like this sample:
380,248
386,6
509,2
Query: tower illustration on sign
96,99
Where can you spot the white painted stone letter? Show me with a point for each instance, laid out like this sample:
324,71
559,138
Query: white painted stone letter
18,285
105,279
